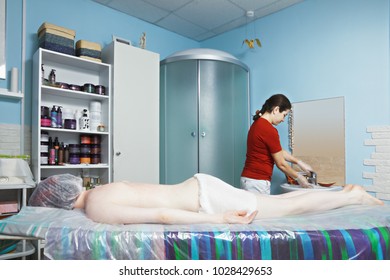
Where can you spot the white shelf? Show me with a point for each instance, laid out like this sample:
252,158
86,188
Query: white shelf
15,186
73,131
10,94
75,166
72,93
74,61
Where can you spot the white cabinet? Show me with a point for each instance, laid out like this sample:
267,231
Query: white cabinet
72,71
135,95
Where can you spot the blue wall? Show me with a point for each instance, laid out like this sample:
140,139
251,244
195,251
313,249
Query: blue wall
90,20
320,49
10,110
315,49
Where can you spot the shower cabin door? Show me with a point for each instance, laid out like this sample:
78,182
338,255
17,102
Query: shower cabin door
223,119
204,120
178,122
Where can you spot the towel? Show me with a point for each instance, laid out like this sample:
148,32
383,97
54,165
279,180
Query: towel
217,196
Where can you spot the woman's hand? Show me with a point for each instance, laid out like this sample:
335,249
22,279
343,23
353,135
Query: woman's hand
238,217
302,181
305,167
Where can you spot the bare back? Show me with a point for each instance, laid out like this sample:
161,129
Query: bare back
115,198
180,196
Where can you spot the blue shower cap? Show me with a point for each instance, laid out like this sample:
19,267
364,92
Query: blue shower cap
57,191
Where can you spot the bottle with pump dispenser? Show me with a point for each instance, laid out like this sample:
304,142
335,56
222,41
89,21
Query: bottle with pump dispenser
59,117
53,115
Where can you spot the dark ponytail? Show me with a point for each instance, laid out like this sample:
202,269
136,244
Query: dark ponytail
277,100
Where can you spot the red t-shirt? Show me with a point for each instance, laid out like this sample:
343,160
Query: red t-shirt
263,141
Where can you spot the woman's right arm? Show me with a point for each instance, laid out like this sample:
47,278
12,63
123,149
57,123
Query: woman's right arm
285,167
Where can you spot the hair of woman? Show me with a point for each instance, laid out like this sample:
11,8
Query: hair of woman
276,100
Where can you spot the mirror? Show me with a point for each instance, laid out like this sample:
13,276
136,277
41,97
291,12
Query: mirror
317,136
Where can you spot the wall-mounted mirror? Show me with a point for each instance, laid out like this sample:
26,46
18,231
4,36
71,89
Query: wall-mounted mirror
317,136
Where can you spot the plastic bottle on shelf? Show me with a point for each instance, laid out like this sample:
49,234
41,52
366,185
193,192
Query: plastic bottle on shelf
56,150
84,121
61,154
52,76
53,115
52,152
95,114
66,154
77,115
59,117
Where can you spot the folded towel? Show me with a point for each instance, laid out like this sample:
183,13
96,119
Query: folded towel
217,196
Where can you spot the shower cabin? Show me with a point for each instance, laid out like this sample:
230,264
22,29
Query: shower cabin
204,115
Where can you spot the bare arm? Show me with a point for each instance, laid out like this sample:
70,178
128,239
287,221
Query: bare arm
281,160
117,214
289,157
284,166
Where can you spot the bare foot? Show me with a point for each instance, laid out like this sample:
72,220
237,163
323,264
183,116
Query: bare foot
366,199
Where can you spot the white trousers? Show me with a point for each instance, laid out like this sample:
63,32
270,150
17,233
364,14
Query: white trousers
255,186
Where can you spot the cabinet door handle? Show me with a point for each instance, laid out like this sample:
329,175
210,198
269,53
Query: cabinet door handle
118,154
193,134
203,134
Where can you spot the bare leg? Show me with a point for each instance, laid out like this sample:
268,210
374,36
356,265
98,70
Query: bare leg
307,202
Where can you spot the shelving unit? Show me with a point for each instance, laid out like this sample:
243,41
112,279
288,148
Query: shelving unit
77,71
24,247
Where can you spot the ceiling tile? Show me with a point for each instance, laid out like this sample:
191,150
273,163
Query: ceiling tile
169,5
252,5
181,26
210,14
204,36
230,25
139,9
198,19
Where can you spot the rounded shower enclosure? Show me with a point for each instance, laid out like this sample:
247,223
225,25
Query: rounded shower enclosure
204,115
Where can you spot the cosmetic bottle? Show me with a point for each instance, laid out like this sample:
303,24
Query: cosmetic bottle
61,157
51,159
56,150
52,76
84,121
53,115
59,117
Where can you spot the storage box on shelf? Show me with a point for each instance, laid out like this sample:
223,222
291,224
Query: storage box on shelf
78,87
89,50
56,38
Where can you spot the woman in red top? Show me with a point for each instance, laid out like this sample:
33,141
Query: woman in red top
264,149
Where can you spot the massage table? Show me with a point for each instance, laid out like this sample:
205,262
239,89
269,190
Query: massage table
353,232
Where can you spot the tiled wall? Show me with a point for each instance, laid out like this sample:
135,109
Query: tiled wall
380,160
10,140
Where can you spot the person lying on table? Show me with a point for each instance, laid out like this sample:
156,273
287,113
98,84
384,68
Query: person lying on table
200,199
